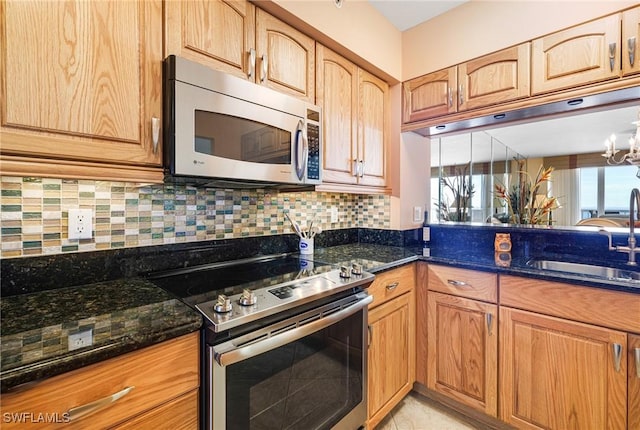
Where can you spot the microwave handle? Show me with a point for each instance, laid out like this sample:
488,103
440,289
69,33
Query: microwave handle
301,154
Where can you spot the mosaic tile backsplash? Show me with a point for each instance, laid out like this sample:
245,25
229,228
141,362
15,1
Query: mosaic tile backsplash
34,214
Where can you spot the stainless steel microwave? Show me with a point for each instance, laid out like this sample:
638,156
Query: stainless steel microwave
223,130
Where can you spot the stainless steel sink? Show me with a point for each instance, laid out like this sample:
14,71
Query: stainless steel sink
586,269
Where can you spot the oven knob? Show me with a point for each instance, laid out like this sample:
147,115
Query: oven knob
223,304
248,297
344,272
356,269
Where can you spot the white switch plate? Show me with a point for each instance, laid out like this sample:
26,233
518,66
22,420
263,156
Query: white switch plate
80,223
81,339
417,214
334,214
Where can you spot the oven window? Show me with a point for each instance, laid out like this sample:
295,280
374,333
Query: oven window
309,384
241,139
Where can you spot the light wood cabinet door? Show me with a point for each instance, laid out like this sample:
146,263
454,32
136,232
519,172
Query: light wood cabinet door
462,350
372,129
217,33
337,94
81,81
421,323
560,374
631,41
391,355
430,96
580,55
495,78
634,381
286,57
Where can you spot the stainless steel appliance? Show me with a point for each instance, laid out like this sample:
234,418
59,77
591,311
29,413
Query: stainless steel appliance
285,342
222,129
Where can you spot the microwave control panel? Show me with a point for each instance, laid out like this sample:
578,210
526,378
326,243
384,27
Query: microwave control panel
313,165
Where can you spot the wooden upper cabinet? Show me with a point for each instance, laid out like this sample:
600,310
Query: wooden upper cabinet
80,81
217,33
430,96
581,55
560,374
494,78
633,406
286,57
374,112
631,41
355,112
337,94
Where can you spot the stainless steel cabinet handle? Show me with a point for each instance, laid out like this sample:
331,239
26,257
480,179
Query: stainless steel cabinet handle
265,65
356,166
636,352
617,356
155,133
88,409
450,96
370,330
489,323
252,63
392,287
461,94
361,168
631,47
458,283
612,55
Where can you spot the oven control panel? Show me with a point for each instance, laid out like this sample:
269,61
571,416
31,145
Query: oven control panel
228,312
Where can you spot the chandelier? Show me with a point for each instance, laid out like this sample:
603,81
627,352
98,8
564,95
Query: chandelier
633,156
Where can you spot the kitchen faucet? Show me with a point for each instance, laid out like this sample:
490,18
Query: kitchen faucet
631,249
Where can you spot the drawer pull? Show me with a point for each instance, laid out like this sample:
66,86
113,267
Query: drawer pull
617,356
88,409
458,283
636,352
393,286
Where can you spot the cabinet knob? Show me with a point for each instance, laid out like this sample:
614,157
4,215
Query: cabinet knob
89,408
252,63
612,55
264,67
617,356
631,48
155,133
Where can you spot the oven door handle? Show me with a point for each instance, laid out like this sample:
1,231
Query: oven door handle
240,353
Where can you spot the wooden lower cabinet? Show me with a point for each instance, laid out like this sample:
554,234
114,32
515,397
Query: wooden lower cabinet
560,374
462,350
633,405
391,370
154,387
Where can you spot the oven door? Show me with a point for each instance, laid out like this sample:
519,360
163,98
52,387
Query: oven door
307,372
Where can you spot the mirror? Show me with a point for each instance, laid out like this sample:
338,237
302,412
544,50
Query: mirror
467,167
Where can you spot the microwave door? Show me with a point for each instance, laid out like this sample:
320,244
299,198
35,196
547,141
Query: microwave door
301,151
218,136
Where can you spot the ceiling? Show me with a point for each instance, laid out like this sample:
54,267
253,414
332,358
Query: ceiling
405,14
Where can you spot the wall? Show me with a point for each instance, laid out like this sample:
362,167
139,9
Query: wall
480,27
35,221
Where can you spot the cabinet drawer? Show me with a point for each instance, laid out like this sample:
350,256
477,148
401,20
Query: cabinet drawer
178,414
393,283
614,309
464,283
157,374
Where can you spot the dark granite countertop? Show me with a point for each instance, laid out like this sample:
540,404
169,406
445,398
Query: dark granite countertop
375,258
123,315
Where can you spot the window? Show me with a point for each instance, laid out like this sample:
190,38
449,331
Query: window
604,191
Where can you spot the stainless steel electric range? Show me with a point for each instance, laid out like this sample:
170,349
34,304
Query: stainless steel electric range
285,342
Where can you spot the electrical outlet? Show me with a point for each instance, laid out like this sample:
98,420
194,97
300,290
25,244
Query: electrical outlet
80,223
334,214
417,214
80,339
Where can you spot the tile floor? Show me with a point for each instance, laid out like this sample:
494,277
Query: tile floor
416,412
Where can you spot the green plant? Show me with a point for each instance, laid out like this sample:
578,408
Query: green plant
526,201
461,188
